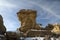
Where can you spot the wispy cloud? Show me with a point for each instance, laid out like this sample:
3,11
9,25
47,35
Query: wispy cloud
46,8
4,3
50,11
6,10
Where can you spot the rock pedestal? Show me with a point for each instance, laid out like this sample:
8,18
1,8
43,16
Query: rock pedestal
28,20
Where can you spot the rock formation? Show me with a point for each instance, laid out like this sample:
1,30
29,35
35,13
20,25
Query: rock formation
28,20
47,37
28,24
56,29
12,36
49,27
2,29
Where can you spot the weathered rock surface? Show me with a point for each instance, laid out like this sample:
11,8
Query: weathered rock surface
28,20
49,27
2,27
12,36
56,29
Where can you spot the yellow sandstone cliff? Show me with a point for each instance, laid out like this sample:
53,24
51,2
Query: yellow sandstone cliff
56,29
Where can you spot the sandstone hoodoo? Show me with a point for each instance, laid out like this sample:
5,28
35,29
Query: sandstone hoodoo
28,20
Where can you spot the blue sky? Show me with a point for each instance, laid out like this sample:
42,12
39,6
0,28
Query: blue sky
48,11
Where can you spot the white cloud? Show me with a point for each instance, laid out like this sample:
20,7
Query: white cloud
4,3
